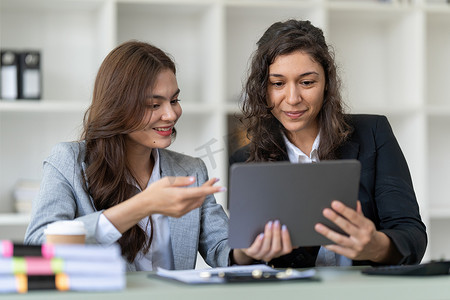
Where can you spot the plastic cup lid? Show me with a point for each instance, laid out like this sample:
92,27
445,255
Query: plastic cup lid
65,227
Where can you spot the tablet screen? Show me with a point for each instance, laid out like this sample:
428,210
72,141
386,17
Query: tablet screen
295,194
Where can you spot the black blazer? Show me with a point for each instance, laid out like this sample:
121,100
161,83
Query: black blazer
386,191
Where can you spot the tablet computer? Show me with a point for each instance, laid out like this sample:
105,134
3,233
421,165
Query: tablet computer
295,194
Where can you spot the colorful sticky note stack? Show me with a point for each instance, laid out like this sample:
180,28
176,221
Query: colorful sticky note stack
60,267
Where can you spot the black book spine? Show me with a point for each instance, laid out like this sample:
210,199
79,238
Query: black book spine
41,282
27,250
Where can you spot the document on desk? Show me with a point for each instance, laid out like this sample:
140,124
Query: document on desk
251,273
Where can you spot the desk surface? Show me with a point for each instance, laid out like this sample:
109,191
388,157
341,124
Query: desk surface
335,283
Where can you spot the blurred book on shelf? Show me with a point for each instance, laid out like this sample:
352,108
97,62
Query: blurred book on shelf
24,192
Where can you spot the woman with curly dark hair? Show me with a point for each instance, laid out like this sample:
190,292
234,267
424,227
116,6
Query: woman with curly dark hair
293,111
121,182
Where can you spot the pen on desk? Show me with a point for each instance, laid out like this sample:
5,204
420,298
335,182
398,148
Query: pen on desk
255,274
208,274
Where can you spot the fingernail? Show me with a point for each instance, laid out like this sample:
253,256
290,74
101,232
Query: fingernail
337,204
318,227
270,223
191,178
261,236
327,212
222,189
216,180
277,222
284,227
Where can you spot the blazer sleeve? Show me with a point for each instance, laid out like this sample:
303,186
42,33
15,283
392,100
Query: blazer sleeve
61,196
395,200
213,241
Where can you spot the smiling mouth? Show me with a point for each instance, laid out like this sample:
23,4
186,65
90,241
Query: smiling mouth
294,114
163,129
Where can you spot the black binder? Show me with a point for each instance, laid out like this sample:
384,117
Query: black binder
9,75
29,80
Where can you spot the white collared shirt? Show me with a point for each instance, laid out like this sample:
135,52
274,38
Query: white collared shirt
160,253
324,257
297,156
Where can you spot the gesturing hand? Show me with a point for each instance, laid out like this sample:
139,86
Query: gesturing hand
364,241
170,196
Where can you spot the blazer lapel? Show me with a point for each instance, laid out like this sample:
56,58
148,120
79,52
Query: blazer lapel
169,166
349,150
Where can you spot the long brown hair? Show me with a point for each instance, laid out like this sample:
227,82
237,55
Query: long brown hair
118,107
263,129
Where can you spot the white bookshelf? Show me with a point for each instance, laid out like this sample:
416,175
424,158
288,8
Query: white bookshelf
392,56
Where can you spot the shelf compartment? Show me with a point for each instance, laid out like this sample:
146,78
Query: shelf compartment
188,32
438,56
374,51
68,35
411,136
438,162
30,137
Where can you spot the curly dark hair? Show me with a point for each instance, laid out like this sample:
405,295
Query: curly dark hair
263,129
118,108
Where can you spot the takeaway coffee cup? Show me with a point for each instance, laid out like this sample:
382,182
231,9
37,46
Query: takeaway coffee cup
65,232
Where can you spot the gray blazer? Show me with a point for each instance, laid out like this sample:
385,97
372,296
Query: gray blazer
62,197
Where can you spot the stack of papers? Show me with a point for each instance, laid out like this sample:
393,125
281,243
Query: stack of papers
235,274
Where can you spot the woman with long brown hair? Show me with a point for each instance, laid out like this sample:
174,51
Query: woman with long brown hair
293,111
121,182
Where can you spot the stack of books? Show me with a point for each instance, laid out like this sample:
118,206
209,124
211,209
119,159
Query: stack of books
60,267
